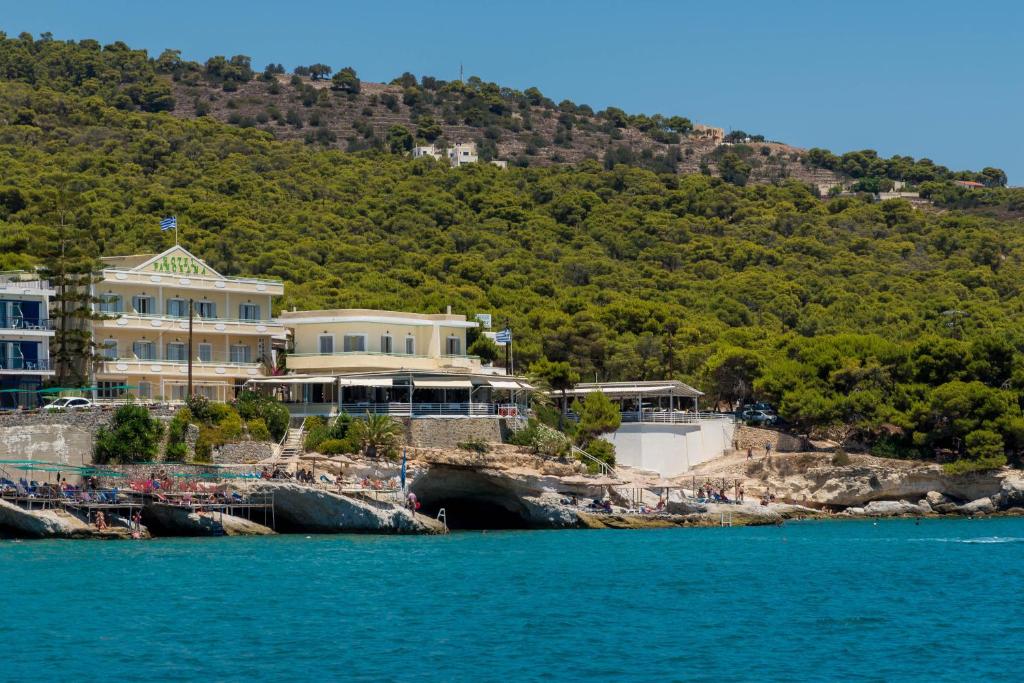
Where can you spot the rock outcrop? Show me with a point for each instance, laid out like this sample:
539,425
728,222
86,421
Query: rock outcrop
176,520
53,524
299,508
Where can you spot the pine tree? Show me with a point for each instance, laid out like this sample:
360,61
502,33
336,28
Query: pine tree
70,267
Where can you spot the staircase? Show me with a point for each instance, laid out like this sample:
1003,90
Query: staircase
291,444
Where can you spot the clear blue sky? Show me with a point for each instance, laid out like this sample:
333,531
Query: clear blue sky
932,78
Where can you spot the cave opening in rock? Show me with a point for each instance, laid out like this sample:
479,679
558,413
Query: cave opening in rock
471,513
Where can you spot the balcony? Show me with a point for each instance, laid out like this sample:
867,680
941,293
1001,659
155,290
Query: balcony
375,360
40,325
415,410
192,281
138,321
216,366
26,367
14,283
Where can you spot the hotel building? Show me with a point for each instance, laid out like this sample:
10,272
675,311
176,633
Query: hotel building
408,364
142,335
25,334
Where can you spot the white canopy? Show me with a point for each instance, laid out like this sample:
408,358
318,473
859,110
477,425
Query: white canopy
443,383
294,379
508,384
365,381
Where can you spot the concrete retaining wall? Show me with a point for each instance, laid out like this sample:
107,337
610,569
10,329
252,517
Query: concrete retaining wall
670,449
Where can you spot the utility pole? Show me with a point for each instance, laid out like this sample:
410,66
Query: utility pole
191,305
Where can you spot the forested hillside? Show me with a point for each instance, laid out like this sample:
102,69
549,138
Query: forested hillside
894,325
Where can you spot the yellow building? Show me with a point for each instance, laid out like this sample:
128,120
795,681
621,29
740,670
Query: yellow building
407,364
142,337
359,340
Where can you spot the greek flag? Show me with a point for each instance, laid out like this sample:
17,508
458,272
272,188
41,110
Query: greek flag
170,223
503,337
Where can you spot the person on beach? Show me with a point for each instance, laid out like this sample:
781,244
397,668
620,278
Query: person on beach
767,449
413,503
101,521
750,453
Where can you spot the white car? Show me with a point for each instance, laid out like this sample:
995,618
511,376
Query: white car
69,404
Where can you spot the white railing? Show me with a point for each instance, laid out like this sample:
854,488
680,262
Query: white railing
673,417
602,466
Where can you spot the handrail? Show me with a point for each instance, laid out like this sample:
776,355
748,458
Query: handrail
606,469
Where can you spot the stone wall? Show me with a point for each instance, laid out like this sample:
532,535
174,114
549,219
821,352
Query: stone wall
757,437
243,452
441,432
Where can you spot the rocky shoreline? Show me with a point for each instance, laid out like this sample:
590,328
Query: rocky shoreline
508,488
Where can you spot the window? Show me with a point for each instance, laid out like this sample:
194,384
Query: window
241,353
386,344
145,390
410,345
206,309
248,312
206,353
177,351
110,303
143,350
143,305
110,389
453,346
326,343
177,308
355,343
108,351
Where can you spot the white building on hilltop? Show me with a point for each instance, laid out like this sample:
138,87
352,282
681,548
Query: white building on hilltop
458,154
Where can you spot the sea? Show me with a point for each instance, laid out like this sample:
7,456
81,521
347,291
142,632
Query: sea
896,600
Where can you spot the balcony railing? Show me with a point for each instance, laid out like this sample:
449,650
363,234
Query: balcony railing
11,280
418,409
216,359
196,320
666,416
379,353
26,324
22,364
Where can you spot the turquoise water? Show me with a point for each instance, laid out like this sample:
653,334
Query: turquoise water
941,601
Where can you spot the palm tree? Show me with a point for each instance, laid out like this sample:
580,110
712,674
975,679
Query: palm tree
377,433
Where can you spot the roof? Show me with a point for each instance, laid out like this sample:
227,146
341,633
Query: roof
670,387
421,378
366,315
126,261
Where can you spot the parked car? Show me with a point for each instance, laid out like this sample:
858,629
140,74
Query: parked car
69,404
761,417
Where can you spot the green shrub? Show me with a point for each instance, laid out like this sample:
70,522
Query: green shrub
603,451
983,444
133,435
199,407
275,415
840,458
541,439
476,445
258,429
316,436
966,465
176,452
341,425
338,446
229,426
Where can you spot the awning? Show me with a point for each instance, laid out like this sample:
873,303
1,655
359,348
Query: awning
443,383
365,381
508,384
294,379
